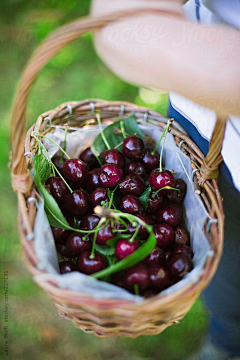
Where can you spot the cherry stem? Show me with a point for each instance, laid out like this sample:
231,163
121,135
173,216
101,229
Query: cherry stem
45,137
164,135
64,144
102,132
123,129
134,235
121,143
95,236
136,289
165,187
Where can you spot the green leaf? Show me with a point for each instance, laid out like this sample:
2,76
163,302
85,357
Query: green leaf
114,136
53,211
130,260
105,250
144,197
42,168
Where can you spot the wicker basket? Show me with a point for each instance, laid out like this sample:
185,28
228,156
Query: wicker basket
109,317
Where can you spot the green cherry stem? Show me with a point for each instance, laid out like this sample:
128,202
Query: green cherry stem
95,236
164,135
123,129
165,187
136,289
64,144
45,137
102,132
134,235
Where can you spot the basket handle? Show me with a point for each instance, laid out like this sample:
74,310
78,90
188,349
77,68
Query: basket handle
21,179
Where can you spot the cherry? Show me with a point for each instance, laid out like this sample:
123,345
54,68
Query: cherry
159,179
150,161
177,196
99,197
142,232
90,266
57,187
92,180
155,201
183,249
118,279
89,221
170,214
182,236
64,251
60,235
75,171
179,265
135,168
58,162
133,147
66,267
89,158
74,222
76,244
156,256
164,235
159,277
131,184
131,204
137,275
104,235
124,248
114,156
110,175
77,203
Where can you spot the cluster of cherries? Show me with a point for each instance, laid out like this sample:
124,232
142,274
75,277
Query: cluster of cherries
128,174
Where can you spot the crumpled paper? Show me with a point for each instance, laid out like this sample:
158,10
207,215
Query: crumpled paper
195,216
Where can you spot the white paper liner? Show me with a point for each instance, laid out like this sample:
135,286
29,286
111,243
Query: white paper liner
195,216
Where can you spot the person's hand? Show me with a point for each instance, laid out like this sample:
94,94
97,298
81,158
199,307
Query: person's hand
167,52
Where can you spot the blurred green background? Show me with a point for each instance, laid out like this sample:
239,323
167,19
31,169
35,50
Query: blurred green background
35,329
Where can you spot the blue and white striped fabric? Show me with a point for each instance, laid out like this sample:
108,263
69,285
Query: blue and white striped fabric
218,12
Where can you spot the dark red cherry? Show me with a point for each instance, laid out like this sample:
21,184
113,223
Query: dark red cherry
89,222
170,214
77,203
104,235
64,251
156,256
183,249
133,147
89,158
155,202
76,244
131,204
92,180
179,265
142,232
164,234
99,197
159,179
60,235
137,275
66,267
114,156
131,184
57,187
135,168
75,171
159,277
110,175
150,161
124,248
177,196
58,162
118,279
182,236
90,266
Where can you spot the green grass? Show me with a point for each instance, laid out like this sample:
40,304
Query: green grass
35,329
